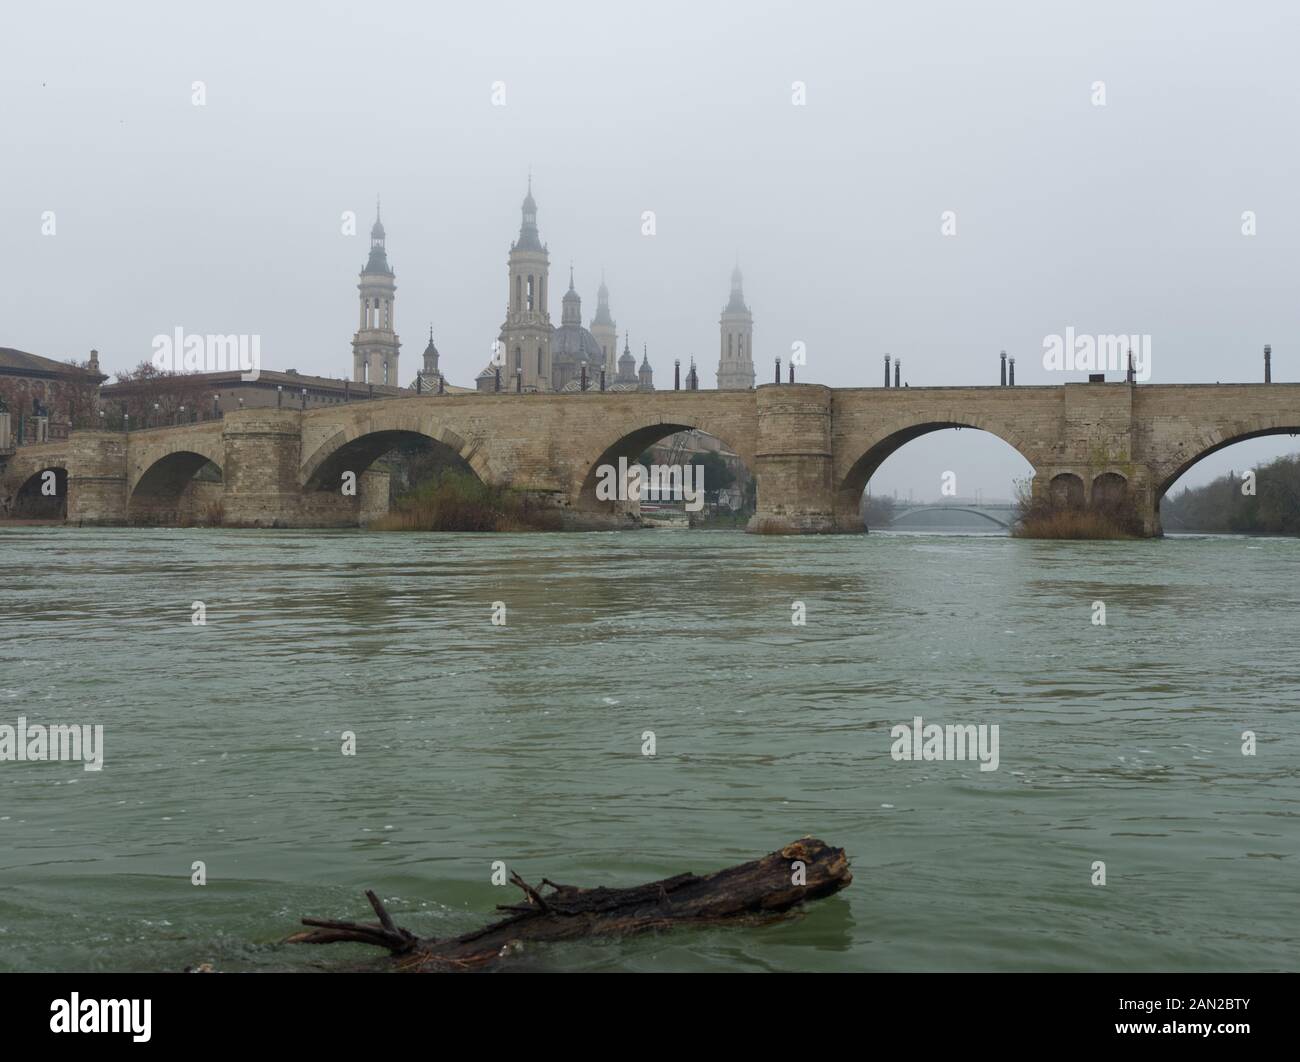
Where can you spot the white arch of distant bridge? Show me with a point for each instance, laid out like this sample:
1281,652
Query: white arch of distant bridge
1005,520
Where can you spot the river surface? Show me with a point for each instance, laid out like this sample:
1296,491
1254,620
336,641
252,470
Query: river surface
523,743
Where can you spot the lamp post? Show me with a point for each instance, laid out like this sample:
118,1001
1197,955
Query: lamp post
279,395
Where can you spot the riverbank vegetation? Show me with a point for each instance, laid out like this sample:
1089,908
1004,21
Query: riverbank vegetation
1222,507
1073,523
1038,518
451,500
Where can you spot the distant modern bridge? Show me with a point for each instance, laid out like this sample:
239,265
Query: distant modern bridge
812,448
998,515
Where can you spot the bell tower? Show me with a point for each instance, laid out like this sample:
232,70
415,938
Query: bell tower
526,333
736,355
375,347
604,330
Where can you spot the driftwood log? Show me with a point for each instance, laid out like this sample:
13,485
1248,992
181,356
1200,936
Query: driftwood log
750,892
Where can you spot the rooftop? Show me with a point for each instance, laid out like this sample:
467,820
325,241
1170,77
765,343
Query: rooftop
19,362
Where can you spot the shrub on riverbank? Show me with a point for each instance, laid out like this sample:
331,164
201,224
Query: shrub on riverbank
1039,519
1073,523
456,501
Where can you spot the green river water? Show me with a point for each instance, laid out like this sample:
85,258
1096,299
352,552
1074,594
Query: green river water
523,743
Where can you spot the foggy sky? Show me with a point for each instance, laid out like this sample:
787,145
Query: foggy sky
225,218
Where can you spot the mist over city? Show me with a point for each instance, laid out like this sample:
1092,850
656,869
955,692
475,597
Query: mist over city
227,217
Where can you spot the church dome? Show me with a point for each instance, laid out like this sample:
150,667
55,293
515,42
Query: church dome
572,342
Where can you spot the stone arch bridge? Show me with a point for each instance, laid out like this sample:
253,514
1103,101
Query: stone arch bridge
812,448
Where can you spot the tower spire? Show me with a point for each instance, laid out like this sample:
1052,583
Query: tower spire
529,240
735,361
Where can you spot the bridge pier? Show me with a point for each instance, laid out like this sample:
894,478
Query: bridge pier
97,480
1146,503
793,461
333,508
611,516
263,449
1127,489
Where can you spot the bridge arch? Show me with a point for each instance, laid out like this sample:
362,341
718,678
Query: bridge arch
1067,491
1193,451
634,436
1109,491
176,487
30,500
853,474
358,444
952,509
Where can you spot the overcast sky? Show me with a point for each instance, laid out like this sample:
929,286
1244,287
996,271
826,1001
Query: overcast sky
226,217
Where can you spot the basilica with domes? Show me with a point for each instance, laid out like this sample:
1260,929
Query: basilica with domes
531,354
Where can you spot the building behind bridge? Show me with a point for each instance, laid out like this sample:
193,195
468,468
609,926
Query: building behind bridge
44,399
